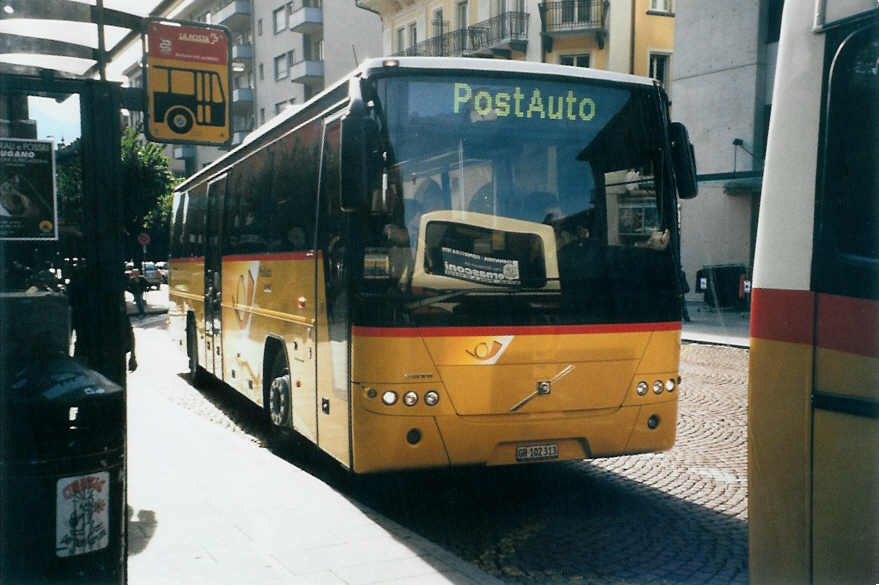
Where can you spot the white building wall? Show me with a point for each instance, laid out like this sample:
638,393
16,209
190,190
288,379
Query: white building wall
348,29
718,91
619,51
267,46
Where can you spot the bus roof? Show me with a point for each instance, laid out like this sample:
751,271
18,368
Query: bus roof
476,65
503,66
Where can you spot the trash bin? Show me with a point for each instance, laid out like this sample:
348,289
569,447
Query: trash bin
62,474
722,285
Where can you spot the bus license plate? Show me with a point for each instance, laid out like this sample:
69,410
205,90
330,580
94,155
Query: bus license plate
537,452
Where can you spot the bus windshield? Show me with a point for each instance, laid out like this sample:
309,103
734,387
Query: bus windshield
523,200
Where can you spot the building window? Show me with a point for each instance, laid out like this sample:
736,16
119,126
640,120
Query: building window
413,34
280,107
659,67
462,15
661,6
279,19
575,11
401,39
290,61
262,116
575,60
259,27
261,72
313,47
282,69
437,22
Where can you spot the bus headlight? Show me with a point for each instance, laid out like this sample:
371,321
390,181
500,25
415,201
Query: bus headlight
670,385
410,398
641,389
389,397
431,398
658,387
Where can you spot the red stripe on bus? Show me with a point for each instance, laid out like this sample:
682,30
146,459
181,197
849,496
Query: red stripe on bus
517,330
272,256
193,259
783,315
848,324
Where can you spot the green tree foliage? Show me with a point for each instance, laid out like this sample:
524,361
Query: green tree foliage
147,185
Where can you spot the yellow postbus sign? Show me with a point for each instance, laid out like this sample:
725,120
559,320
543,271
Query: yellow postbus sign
187,83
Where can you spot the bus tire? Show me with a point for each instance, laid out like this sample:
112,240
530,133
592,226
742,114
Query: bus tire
179,120
280,404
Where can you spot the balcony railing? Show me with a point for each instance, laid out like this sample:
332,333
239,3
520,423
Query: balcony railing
573,15
504,30
242,52
307,71
235,15
307,20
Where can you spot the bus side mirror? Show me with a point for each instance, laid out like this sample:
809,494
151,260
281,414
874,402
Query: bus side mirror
683,160
357,161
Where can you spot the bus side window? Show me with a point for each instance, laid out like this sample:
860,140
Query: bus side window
216,89
182,82
847,215
178,218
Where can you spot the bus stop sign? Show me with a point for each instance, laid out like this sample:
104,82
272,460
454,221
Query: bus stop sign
187,73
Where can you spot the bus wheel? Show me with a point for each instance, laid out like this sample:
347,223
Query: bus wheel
179,120
279,394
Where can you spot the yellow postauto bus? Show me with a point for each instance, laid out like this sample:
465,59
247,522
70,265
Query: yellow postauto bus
441,262
814,364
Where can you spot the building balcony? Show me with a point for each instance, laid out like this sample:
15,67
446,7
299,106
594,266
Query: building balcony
242,52
499,35
308,20
235,15
571,17
184,152
307,71
239,136
242,99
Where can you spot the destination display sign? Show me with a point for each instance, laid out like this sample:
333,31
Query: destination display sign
188,83
527,104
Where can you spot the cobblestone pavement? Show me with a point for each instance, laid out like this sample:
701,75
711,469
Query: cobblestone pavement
678,517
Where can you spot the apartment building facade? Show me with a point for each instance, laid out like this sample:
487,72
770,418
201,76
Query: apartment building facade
283,52
721,88
628,36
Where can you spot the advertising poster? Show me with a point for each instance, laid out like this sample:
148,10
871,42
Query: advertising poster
28,205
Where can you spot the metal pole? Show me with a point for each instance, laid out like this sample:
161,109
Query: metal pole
102,66
102,210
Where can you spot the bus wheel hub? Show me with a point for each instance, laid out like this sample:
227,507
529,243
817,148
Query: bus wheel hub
279,400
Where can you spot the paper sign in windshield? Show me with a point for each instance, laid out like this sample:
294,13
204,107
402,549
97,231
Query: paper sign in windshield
481,269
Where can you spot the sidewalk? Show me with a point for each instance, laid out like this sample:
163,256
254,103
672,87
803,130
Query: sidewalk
211,506
717,326
155,302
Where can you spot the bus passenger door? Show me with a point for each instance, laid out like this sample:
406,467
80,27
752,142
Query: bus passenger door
333,318
845,396
213,295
